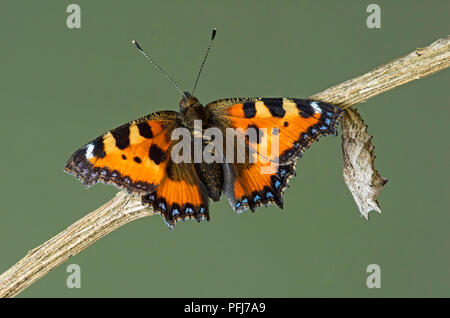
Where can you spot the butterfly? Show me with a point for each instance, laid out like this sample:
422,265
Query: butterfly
140,156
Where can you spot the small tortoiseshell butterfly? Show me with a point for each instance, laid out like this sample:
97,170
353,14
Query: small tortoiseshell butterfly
138,156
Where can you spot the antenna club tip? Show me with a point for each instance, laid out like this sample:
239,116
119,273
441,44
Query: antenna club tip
136,45
213,35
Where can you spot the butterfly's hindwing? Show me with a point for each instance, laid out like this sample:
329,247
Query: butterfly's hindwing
180,196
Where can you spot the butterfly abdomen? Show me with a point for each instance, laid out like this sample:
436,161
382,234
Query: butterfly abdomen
211,176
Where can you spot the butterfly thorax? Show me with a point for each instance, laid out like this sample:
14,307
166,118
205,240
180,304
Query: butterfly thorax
191,110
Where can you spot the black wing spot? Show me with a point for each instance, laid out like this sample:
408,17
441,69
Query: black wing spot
249,109
124,157
122,136
304,108
156,154
145,130
275,106
137,159
99,148
285,124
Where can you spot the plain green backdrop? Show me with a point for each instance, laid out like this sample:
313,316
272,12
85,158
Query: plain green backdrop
62,87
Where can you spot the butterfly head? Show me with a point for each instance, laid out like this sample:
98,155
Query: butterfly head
188,101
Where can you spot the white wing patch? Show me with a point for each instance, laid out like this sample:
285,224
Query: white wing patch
316,107
89,151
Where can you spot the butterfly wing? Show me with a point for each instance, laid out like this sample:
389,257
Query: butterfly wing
295,123
137,157
132,156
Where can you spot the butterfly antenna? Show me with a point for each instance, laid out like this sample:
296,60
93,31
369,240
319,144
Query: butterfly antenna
158,68
213,35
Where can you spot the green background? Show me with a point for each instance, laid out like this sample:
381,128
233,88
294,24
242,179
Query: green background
62,87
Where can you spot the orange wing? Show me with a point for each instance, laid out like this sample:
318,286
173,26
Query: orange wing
291,124
137,157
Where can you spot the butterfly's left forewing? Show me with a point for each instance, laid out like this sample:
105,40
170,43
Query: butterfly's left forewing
291,123
132,156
